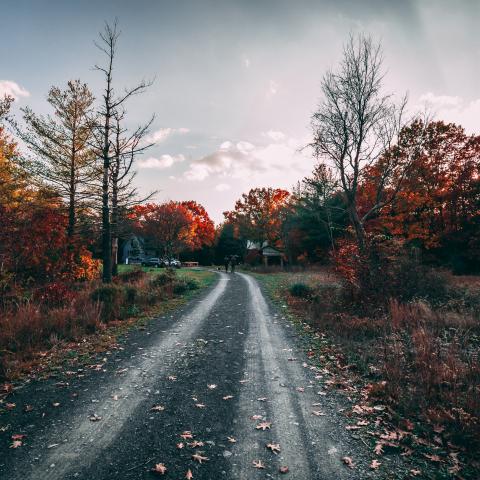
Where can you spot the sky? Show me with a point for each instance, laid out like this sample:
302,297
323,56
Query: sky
236,81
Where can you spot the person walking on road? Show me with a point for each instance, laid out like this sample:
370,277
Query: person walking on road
226,262
233,262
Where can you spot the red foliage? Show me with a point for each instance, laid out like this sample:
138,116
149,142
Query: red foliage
174,226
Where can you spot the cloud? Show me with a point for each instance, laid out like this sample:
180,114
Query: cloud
222,187
246,61
452,109
442,101
12,89
246,161
160,135
274,135
272,89
165,161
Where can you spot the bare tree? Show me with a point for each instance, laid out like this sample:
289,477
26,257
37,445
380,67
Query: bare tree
111,104
355,124
62,143
126,148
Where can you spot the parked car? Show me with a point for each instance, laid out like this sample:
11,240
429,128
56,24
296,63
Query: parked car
152,262
170,262
134,261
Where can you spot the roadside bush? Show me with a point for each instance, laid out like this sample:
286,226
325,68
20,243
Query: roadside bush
179,288
163,279
132,276
110,298
191,284
300,290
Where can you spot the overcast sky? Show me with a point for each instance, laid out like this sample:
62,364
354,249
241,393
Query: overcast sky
236,81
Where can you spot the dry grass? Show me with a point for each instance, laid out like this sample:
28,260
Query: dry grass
32,326
423,361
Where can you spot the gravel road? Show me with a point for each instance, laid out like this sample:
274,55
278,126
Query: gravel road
213,371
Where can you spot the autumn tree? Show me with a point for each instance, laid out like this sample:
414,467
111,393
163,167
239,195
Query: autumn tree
437,205
167,227
259,214
62,144
202,229
110,106
355,124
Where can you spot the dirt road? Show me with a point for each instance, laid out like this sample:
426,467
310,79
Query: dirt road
222,366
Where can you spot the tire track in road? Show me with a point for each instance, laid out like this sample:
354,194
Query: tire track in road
81,440
306,441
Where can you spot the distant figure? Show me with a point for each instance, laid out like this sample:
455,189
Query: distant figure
226,262
233,262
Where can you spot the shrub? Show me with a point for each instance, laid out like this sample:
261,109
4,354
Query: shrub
180,288
300,290
132,276
110,298
163,279
192,284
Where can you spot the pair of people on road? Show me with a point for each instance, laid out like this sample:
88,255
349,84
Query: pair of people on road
230,261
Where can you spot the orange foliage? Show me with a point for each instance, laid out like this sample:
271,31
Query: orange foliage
174,226
440,194
259,214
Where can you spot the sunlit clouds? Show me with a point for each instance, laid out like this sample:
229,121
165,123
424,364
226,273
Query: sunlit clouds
12,89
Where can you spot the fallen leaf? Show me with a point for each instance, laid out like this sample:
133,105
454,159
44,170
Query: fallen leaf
262,399
200,405
10,406
16,444
189,475
300,389
18,436
159,468
256,417
228,397
317,413
212,386
433,458
274,447
283,469
415,472
56,404
348,462
199,458
378,448
263,426
180,445
231,440
375,464
28,408
157,408
195,444
94,418
172,378
186,435
352,427
258,464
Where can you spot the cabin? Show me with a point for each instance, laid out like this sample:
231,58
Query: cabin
269,255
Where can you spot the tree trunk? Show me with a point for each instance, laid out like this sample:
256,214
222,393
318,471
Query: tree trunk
106,232
114,228
358,228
